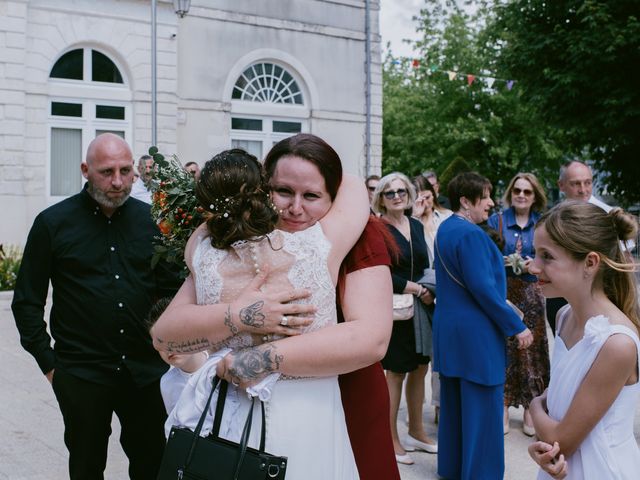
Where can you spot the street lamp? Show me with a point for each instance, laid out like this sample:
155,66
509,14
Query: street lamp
181,8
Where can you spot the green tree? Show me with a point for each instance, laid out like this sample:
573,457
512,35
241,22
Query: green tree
428,119
578,62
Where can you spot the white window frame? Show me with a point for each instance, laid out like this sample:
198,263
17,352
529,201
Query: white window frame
89,94
266,136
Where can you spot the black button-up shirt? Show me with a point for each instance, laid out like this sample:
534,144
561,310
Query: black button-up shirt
103,287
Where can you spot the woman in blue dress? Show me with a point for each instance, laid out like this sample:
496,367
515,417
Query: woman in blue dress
471,325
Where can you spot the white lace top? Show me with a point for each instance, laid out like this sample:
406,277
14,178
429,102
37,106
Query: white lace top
295,260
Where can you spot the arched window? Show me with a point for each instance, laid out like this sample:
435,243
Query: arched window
267,103
100,68
267,82
88,96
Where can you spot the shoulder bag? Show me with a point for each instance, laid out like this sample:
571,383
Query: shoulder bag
189,456
403,302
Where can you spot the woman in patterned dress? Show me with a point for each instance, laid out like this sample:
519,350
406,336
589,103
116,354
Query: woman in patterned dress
527,373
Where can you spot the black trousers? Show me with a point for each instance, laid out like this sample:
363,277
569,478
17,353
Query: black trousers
87,409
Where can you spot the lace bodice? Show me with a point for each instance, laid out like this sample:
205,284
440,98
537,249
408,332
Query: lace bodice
295,260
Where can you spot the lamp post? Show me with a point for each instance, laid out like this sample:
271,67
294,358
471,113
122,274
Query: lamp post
181,7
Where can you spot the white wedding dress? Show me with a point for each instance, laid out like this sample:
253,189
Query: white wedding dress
610,451
304,417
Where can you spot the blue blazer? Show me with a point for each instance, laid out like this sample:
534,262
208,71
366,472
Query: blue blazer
471,324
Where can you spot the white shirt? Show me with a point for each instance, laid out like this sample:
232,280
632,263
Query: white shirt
140,192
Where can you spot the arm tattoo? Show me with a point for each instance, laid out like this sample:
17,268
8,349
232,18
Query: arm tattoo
229,323
252,315
189,346
253,363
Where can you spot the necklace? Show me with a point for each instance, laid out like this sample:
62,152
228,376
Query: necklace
462,217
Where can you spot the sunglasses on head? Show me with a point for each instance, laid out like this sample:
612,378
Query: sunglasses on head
526,191
390,194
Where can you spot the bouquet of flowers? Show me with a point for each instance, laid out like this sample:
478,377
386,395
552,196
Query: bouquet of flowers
175,209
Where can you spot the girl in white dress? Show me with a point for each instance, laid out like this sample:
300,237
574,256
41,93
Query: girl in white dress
304,416
584,421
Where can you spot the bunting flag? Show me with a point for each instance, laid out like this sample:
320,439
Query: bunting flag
453,74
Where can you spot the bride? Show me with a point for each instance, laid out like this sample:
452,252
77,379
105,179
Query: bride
305,420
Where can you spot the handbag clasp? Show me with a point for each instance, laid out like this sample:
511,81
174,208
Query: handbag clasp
273,471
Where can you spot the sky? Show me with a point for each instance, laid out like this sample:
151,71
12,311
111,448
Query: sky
396,24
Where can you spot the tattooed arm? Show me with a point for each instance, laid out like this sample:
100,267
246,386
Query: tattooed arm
357,343
187,327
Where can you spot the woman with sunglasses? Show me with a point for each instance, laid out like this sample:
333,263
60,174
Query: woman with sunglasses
527,373
392,198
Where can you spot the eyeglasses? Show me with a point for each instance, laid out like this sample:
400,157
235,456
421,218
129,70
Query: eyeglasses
390,194
526,191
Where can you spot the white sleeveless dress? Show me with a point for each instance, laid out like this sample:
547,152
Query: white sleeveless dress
304,417
610,451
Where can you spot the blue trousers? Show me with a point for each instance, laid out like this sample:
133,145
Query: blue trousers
470,431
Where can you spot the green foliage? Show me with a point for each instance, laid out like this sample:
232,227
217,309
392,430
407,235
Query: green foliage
429,120
577,61
174,208
457,165
9,265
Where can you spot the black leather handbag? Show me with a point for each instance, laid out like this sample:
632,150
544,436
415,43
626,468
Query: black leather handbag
189,456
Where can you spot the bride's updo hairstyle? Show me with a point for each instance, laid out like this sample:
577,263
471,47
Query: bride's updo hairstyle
581,228
232,189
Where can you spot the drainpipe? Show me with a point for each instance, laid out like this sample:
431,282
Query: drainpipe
367,64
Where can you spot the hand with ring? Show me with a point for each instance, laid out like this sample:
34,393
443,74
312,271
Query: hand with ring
258,312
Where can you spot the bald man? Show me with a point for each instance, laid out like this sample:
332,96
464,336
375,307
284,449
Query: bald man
95,248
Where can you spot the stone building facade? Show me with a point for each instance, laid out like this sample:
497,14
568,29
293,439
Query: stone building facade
230,73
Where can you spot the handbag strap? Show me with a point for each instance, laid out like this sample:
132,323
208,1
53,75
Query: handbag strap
437,249
196,433
217,421
244,439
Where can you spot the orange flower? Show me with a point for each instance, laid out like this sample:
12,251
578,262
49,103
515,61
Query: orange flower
165,227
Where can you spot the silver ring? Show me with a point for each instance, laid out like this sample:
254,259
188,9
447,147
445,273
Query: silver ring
285,321
234,383
266,338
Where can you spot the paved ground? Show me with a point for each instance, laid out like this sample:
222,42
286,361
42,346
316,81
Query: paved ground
32,448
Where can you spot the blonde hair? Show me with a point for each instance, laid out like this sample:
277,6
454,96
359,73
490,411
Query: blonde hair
581,228
540,198
377,203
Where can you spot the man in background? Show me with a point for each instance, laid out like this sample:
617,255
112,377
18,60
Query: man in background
576,183
95,248
372,183
193,168
141,188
